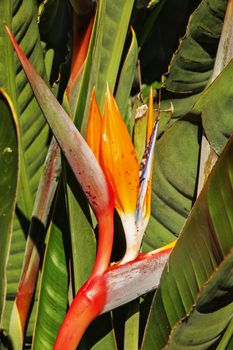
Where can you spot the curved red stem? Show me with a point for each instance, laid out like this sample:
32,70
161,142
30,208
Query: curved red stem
90,299
86,306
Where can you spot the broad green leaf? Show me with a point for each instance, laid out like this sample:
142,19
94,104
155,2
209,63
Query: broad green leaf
82,237
9,171
159,30
32,123
131,335
215,106
192,65
22,17
195,288
224,54
116,20
170,208
226,340
35,240
174,180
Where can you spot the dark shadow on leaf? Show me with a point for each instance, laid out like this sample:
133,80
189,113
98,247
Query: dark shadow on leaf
145,306
37,233
24,222
5,342
96,331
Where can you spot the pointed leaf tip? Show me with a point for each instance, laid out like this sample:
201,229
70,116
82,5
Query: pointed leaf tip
77,152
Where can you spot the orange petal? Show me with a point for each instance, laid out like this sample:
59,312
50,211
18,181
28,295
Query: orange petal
118,158
94,127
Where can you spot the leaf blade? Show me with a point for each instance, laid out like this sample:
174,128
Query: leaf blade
184,294
9,174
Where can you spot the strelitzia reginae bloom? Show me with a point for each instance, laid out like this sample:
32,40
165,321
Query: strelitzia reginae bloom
131,184
111,143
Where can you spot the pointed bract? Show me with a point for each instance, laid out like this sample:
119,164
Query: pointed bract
80,157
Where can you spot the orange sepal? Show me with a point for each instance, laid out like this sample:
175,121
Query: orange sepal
94,127
118,158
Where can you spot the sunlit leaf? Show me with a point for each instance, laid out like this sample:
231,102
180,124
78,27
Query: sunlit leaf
195,290
9,173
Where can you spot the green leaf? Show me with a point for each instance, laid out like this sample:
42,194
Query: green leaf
159,30
131,336
126,77
215,106
53,298
174,181
116,20
34,128
104,55
192,65
34,246
195,288
9,171
174,185
82,235
22,17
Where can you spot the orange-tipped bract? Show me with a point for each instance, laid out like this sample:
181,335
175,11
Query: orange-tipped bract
111,143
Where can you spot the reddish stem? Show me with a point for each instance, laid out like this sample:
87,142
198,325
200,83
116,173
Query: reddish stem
104,250
86,306
90,299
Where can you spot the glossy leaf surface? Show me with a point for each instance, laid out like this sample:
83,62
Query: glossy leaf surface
33,129
195,290
192,64
215,107
9,170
